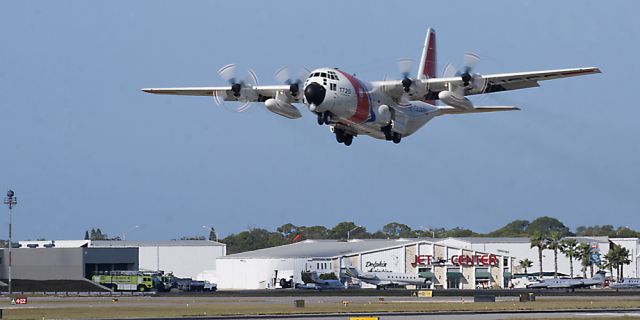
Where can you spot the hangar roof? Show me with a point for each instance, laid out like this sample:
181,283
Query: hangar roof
153,243
322,248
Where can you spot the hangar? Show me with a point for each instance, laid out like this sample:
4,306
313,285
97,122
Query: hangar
446,265
194,259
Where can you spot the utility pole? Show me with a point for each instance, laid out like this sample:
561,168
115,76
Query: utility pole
11,201
349,232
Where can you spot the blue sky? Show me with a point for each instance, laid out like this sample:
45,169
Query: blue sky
82,146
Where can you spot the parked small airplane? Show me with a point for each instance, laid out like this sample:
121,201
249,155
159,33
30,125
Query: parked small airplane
320,284
384,279
598,279
388,109
626,283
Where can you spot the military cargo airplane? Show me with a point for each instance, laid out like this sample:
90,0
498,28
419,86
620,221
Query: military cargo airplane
598,279
388,109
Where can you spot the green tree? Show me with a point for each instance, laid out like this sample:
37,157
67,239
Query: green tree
584,253
341,230
525,264
287,229
86,235
253,239
213,236
569,247
313,232
554,244
538,240
394,230
515,228
546,224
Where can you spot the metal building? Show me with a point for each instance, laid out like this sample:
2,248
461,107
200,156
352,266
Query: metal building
447,266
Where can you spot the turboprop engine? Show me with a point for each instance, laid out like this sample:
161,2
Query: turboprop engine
281,107
452,99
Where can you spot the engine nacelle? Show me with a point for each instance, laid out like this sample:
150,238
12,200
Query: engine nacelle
451,99
282,108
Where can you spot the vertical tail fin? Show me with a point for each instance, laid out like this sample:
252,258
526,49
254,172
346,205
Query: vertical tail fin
428,61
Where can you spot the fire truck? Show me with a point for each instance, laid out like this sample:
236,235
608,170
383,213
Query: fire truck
127,280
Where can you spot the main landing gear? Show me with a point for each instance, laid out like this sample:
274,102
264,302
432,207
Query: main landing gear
391,135
324,118
343,137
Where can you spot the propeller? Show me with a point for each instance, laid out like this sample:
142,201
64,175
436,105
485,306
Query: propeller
242,90
469,61
405,66
283,75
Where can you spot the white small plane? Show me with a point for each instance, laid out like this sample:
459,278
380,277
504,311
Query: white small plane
598,279
626,283
388,109
384,279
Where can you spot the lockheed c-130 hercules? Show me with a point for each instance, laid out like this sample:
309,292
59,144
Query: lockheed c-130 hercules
388,109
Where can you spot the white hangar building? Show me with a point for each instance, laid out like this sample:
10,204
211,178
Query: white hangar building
520,248
446,265
194,259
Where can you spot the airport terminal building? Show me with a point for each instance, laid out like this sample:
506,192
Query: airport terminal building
446,265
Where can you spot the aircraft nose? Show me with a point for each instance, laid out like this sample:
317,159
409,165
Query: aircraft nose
314,93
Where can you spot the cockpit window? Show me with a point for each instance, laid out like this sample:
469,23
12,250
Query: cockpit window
324,75
317,74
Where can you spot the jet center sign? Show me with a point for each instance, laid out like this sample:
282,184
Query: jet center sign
474,260
458,260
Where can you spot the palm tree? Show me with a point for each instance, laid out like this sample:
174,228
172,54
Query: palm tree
569,248
622,258
554,243
524,264
584,253
608,262
538,240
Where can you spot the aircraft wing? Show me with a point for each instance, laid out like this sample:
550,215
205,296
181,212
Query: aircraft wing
452,110
485,83
508,81
262,92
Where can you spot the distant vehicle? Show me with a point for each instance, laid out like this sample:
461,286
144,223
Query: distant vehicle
598,279
384,279
626,283
126,280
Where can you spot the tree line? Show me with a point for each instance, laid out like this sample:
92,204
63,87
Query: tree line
616,257
258,238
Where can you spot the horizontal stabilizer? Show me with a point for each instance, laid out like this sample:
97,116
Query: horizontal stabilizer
451,110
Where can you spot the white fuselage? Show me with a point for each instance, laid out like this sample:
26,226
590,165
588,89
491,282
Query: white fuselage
391,278
356,105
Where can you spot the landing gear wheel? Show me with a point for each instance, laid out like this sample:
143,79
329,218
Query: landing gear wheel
339,137
348,139
320,119
326,117
387,132
397,137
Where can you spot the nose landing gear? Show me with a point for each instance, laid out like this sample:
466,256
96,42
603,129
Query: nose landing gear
324,118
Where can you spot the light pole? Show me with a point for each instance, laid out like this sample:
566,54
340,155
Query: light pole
349,232
124,234
433,234
11,201
211,229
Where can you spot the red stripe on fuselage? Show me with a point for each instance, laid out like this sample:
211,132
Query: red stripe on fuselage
362,99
